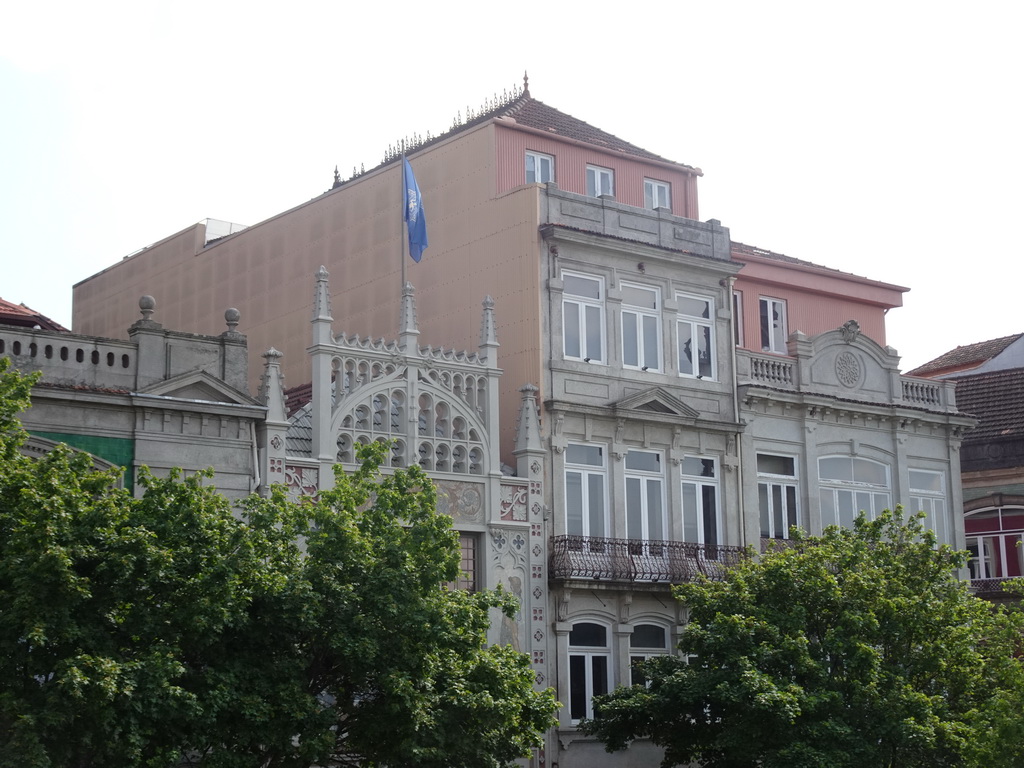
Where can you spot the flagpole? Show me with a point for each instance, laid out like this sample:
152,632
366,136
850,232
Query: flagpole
403,234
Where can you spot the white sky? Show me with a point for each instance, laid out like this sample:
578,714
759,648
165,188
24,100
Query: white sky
880,138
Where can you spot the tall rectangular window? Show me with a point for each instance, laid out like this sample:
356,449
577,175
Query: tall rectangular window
641,327
656,194
589,667
777,495
585,507
773,325
467,563
647,641
700,500
645,497
540,168
928,495
737,318
696,336
583,317
600,181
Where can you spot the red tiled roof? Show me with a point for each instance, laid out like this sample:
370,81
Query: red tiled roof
538,115
969,355
297,396
741,251
23,317
997,400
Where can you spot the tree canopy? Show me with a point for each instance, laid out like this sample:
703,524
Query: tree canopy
171,628
857,648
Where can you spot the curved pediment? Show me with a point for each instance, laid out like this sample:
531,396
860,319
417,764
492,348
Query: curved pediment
846,363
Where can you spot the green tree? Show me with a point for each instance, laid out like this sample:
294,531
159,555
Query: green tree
858,648
170,628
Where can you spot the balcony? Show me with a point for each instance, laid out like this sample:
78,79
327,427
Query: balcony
636,560
994,587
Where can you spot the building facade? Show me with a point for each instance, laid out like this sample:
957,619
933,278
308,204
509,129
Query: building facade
668,398
160,399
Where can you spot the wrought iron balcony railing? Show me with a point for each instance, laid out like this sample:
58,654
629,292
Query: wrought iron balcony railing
631,560
993,586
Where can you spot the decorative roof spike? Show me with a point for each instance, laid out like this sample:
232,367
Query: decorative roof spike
528,428
353,171
407,321
526,85
322,298
337,178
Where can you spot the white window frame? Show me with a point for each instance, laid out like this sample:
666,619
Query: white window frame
688,324
640,653
695,489
591,657
930,497
657,194
645,332
600,181
645,498
584,313
843,499
778,496
539,161
991,550
773,334
737,318
589,496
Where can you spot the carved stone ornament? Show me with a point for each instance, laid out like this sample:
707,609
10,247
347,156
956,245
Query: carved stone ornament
848,369
850,331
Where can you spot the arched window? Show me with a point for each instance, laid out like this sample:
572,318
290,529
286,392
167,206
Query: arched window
849,485
589,667
646,641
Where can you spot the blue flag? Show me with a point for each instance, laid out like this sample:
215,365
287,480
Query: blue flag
414,212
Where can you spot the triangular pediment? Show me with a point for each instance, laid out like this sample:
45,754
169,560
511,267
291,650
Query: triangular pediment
199,385
655,401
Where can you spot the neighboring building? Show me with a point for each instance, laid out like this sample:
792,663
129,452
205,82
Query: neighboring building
439,409
21,316
696,396
989,380
161,399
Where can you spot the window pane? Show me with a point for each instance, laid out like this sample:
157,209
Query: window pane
652,355
630,350
655,530
694,307
686,348
769,464
704,350
600,670
574,503
646,461
865,471
586,287
531,168
591,182
648,636
585,454
593,324
571,329
710,515
828,508
778,521
791,519
634,508
690,531
596,504
846,510
763,505
577,686
926,481
639,297
588,634
835,468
